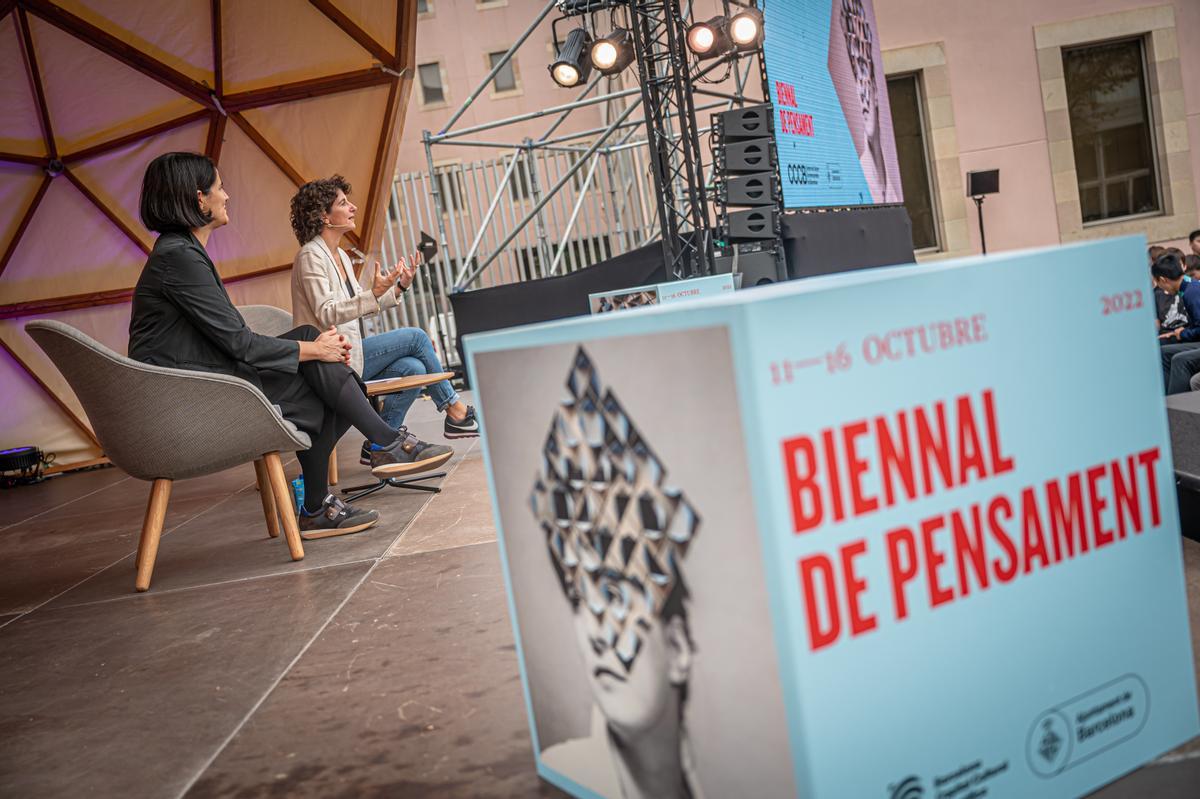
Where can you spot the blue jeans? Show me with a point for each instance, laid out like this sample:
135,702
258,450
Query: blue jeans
400,353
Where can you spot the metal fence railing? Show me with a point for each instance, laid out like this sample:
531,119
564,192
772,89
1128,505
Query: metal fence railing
605,209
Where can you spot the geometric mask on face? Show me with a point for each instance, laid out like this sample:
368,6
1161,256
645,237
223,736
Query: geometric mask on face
860,48
616,534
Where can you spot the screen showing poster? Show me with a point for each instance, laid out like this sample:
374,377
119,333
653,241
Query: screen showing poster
833,122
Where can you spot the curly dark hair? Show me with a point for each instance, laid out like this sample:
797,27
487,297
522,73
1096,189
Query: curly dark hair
313,200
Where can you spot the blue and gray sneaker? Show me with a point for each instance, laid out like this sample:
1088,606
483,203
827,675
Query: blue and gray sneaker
468,427
335,518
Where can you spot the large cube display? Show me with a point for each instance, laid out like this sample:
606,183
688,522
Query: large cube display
902,532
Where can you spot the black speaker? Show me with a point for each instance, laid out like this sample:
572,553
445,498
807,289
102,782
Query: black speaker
750,122
757,223
986,181
756,268
756,189
752,155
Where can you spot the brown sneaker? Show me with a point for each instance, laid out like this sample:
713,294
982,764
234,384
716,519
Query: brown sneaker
409,454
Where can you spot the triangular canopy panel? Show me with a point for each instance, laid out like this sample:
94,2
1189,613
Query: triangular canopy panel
276,91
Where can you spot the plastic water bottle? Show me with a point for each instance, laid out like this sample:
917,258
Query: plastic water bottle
298,492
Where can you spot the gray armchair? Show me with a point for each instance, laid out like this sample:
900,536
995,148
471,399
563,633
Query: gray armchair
162,425
267,320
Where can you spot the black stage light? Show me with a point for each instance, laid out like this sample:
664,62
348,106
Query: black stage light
746,29
612,53
710,39
572,66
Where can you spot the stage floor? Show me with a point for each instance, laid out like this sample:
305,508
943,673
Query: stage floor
382,664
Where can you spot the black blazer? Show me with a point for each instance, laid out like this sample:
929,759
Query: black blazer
182,317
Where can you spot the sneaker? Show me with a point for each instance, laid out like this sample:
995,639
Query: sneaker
336,518
467,428
364,455
408,454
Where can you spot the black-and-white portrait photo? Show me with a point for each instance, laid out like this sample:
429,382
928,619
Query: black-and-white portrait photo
636,567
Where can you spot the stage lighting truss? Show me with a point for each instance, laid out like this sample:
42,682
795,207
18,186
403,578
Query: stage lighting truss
572,66
746,29
710,39
613,53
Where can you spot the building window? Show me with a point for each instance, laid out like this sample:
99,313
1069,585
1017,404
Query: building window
506,78
518,184
912,149
1111,132
490,3
450,186
432,90
423,7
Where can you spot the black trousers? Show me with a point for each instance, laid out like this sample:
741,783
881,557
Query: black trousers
308,399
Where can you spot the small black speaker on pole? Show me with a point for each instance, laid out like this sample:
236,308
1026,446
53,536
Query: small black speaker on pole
981,183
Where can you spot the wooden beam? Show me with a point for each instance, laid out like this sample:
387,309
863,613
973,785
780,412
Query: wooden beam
87,431
218,71
108,212
268,149
19,158
386,134
112,297
351,29
137,135
216,136
20,231
35,81
277,158
300,90
123,52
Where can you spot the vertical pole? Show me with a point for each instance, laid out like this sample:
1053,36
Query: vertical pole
535,189
443,244
979,208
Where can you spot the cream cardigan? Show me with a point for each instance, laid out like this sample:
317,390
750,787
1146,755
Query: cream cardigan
320,298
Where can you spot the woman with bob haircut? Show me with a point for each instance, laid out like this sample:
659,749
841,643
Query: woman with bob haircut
182,317
325,291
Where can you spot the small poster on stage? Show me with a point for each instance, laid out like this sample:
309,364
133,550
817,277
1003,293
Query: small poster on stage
752,543
662,293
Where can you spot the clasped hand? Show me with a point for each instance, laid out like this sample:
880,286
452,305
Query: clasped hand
333,347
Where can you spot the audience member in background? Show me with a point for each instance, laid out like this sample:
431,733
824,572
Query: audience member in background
1180,346
1154,252
1191,266
1194,240
326,292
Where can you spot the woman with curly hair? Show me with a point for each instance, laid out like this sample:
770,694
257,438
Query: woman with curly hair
182,317
325,291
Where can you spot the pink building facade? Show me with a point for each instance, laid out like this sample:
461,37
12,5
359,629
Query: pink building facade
997,86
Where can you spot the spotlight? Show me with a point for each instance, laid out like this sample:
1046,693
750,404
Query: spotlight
612,53
746,29
710,39
572,66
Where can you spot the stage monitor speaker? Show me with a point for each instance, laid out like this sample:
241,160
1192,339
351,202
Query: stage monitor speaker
983,182
751,122
757,189
752,155
756,268
757,223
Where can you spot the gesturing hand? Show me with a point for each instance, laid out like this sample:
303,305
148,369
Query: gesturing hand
381,281
406,272
333,347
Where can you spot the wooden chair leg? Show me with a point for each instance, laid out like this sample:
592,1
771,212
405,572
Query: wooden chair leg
333,475
283,503
268,498
156,511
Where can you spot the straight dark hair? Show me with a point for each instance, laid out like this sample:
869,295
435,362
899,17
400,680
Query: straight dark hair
1168,267
169,192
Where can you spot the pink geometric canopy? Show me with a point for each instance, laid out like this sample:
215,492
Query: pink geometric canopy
277,91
